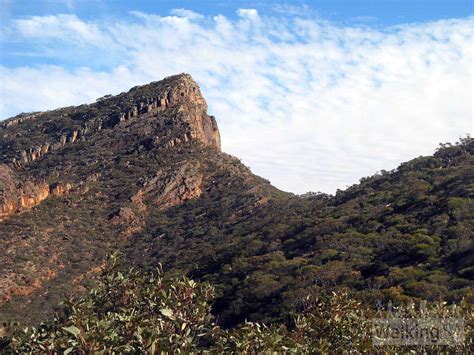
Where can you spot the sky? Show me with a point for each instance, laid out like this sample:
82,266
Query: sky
310,95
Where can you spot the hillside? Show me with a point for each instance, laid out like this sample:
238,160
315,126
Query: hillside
400,236
142,172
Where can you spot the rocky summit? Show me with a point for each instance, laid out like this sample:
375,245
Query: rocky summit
159,115
142,172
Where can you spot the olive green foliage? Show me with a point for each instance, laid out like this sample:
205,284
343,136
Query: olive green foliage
131,312
340,324
398,236
148,312
335,322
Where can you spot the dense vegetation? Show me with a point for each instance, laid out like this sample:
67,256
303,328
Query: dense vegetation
134,312
402,235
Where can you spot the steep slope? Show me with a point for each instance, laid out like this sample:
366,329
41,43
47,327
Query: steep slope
78,182
142,172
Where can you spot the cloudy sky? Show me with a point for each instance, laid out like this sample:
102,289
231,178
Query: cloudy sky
312,96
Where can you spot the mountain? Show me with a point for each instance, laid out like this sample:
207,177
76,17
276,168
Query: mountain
143,172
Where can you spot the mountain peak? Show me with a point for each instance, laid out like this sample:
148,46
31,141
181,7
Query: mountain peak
178,96
168,112
176,89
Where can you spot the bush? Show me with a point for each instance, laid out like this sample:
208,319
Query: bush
127,312
138,312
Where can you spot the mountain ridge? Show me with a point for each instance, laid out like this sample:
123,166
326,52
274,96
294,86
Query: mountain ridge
142,172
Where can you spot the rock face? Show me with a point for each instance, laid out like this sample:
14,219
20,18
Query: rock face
188,99
20,118
16,195
174,105
181,97
172,188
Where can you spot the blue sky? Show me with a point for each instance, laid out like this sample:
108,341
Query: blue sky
383,12
374,13
312,95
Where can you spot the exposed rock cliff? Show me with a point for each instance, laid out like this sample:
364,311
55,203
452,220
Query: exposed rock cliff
16,195
174,109
181,97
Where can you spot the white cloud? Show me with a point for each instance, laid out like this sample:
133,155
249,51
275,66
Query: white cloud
62,27
295,10
186,13
304,102
251,13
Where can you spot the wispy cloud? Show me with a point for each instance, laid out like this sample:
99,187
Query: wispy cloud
65,28
307,103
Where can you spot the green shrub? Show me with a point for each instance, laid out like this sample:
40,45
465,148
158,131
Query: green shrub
140,312
127,312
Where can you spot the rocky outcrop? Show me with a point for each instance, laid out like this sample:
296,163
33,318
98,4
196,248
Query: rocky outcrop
20,119
27,197
16,196
58,189
182,97
175,103
187,98
167,189
30,155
